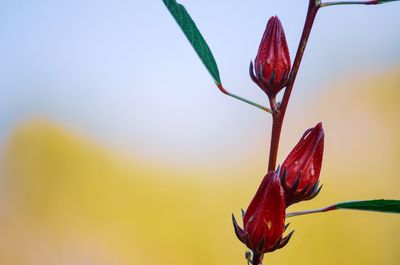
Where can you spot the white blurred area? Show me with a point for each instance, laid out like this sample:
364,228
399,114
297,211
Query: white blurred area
123,73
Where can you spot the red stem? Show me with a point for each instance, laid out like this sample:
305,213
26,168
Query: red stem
321,210
279,114
277,121
257,259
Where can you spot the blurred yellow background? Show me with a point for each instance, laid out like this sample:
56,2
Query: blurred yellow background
66,199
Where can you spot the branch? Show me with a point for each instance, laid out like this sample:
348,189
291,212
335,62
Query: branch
385,206
372,2
279,116
223,90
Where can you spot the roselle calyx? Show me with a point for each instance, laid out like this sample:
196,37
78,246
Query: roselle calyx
272,64
301,169
264,220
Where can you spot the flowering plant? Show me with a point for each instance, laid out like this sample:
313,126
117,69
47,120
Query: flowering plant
297,179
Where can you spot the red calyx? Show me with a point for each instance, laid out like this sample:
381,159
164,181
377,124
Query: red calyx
264,220
272,63
301,169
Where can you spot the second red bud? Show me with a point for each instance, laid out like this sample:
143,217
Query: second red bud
300,171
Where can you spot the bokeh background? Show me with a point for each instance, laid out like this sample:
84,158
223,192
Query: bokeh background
116,148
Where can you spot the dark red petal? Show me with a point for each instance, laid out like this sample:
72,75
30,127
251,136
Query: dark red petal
238,231
285,240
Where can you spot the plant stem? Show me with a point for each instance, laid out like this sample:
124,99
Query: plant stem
321,210
257,259
226,92
373,2
279,115
275,137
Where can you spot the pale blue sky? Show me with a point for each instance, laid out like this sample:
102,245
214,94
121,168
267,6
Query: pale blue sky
122,72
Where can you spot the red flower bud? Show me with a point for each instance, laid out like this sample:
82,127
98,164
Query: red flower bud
301,169
264,220
272,63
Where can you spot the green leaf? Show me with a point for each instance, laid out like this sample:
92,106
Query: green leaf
194,36
387,206
386,1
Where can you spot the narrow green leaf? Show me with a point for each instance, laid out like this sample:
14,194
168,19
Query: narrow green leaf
386,1
369,2
387,206
194,36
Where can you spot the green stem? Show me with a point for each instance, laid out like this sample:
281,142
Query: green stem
223,90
